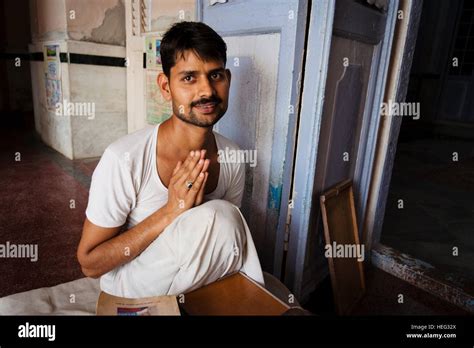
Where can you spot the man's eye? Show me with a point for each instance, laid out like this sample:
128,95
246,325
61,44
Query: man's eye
188,78
216,76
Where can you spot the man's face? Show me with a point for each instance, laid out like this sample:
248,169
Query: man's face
198,90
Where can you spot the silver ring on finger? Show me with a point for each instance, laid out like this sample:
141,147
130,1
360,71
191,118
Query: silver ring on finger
189,184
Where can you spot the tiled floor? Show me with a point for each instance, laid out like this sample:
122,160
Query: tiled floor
44,196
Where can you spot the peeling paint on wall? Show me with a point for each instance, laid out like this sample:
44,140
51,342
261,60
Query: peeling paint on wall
112,29
274,196
100,22
166,13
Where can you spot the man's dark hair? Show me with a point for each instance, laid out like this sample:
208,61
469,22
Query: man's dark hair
194,36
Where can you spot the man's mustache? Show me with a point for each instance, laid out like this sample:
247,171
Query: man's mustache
215,100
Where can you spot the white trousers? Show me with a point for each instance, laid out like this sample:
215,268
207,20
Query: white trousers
202,245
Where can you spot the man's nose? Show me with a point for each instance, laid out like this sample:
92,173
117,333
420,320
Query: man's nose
206,88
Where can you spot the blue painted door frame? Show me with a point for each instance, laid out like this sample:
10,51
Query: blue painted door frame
316,69
306,267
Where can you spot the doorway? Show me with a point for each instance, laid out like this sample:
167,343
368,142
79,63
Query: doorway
429,212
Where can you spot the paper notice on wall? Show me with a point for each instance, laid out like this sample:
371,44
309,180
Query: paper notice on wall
152,49
52,76
157,108
52,62
53,93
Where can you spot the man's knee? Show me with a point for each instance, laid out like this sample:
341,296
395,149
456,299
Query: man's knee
213,233
224,213
221,208
216,224
219,220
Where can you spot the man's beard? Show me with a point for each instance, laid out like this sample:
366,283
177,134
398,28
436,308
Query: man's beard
193,119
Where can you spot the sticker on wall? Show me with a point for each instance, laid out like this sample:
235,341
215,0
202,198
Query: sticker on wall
52,75
53,93
157,108
152,49
52,62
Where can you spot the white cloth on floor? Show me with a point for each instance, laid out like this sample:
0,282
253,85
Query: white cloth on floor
78,297
202,245
57,300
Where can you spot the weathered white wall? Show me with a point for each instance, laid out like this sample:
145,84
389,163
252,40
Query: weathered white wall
55,131
165,13
48,20
90,28
105,86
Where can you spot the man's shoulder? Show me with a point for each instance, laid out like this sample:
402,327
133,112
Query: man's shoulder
224,142
230,155
128,145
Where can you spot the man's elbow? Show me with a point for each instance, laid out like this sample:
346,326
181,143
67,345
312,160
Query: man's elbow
87,271
90,273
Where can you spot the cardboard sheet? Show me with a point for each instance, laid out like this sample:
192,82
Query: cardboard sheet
113,305
236,294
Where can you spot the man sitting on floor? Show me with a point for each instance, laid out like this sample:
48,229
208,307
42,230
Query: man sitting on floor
166,185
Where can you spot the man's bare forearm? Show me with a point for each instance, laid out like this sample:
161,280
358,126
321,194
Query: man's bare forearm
126,246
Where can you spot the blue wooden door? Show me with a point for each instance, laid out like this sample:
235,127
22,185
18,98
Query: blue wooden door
349,45
265,40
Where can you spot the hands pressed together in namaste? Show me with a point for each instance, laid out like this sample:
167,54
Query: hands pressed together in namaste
187,183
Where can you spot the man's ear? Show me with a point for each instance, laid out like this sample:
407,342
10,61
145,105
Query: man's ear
164,85
229,75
